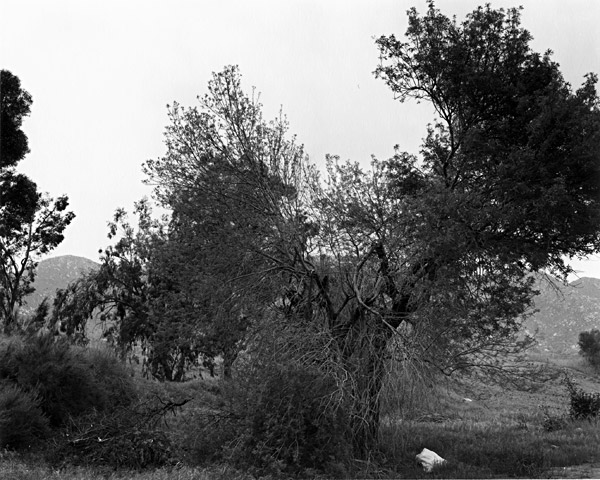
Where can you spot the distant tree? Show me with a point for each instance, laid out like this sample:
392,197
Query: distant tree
31,224
589,346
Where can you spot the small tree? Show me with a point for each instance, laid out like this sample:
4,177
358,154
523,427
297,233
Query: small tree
589,346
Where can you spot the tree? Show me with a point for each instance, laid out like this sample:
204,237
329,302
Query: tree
31,224
120,289
427,258
19,253
589,346
232,182
16,104
508,183
151,303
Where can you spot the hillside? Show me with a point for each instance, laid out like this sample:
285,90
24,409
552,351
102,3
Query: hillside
53,274
564,312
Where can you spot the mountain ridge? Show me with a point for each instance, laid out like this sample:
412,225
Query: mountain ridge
563,311
53,274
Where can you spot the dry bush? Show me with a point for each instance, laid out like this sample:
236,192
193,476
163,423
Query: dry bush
129,437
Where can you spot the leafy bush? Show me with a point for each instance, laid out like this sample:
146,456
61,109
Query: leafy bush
290,422
69,381
22,422
589,346
583,404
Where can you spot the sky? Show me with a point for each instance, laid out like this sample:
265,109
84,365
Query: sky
101,74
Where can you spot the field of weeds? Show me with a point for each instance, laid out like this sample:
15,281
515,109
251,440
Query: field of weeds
483,431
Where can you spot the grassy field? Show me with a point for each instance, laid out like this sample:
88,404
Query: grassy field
482,431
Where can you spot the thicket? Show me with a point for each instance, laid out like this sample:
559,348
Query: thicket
69,381
280,413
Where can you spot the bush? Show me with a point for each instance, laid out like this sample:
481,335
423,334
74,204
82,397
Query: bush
583,404
68,381
291,423
553,422
22,422
589,346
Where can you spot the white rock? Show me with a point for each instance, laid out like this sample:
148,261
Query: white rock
428,459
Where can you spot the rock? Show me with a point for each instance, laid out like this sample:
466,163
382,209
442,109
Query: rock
428,459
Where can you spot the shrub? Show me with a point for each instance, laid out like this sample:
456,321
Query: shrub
69,381
291,423
553,422
589,346
583,404
22,422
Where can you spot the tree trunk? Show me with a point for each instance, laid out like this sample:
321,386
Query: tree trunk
368,364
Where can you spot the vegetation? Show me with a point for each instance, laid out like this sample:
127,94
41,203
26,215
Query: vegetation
22,422
316,296
66,380
31,223
583,404
589,346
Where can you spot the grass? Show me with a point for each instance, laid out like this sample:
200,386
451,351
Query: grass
498,434
14,467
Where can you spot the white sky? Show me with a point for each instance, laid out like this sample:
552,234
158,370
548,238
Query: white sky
102,72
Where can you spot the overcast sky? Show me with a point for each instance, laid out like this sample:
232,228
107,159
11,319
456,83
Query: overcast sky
102,72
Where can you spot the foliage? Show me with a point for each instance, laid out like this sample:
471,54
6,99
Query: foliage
16,104
415,258
31,224
233,184
291,423
278,413
67,381
22,422
589,346
147,294
582,404
427,259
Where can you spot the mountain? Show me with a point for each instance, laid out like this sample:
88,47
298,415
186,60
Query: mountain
53,274
564,311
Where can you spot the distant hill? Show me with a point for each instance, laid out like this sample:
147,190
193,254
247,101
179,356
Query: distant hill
53,274
564,312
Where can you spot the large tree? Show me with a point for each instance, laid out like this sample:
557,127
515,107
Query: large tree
31,224
428,257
